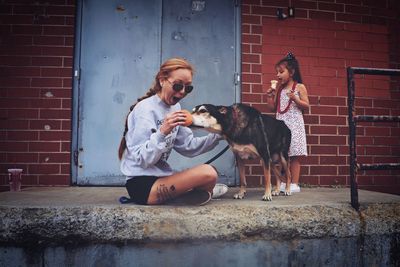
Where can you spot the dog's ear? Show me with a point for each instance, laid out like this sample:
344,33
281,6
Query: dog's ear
223,110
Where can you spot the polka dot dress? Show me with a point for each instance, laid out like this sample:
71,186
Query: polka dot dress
293,118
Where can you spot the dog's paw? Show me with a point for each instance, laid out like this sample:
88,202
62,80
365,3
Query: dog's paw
288,193
239,195
267,197
275,193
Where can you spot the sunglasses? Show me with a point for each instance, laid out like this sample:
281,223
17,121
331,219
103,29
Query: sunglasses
179,86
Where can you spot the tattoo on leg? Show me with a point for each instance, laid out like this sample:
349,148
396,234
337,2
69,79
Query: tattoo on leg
164,194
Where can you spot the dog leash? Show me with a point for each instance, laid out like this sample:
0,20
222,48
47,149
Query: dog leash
218,155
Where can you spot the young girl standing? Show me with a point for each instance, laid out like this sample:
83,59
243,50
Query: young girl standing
289,99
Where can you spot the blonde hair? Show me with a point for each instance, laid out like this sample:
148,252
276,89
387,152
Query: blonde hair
165,70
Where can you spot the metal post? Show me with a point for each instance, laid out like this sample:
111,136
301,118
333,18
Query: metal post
352,140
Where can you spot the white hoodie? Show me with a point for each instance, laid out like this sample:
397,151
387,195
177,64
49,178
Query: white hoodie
148,149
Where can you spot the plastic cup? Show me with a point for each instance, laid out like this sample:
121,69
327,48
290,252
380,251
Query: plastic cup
15,179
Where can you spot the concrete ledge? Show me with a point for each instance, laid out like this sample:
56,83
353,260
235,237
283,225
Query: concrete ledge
93,214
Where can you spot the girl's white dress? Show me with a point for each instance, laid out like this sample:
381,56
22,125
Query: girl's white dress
293,118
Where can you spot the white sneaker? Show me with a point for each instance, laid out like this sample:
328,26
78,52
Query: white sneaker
294,188
219,190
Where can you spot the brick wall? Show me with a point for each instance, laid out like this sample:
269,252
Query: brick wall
326,37
36,58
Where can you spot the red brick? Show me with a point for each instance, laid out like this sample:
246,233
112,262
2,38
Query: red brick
321,15
58,30
53,179
254,181
333,180
61,10
47,61
56,72
333,160
44,168
68,62
69,41
357,9
323,150
65,146
311,180
263,11
27,29
66,104
22,135
377,150
19,71
333,120
57,51
345,17
323,170
251,98
325,110
333,140
44,146
251,38
14,146
48,40
22,157
251,19
252,78
330,7
66,125
320,130
54,157
55,114
46,82
54,135
56,93
29,180
43,124
23,114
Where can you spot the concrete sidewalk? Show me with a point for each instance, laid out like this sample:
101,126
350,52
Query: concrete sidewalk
93,214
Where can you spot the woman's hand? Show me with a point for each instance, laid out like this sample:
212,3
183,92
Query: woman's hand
172,120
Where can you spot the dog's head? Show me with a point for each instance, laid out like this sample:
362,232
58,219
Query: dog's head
209,117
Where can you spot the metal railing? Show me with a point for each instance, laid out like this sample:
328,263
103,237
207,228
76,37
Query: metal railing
353,119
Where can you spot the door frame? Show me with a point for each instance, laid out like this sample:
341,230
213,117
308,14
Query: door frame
76,103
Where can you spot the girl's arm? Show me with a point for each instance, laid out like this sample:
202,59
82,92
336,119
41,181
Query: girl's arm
302,101
271,98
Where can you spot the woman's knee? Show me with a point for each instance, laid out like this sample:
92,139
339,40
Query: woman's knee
211,172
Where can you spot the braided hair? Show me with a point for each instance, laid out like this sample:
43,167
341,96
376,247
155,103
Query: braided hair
166,68
291,63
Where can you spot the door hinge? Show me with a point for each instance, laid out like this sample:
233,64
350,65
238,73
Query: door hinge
237,78
76,155
77,74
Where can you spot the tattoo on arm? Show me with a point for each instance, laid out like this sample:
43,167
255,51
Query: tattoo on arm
164,193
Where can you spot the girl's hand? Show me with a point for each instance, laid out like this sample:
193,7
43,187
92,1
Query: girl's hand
172,120
291,95
270,91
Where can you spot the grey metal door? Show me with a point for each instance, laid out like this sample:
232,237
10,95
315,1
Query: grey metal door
120,47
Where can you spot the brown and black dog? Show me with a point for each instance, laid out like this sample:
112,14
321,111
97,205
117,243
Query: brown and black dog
251,135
